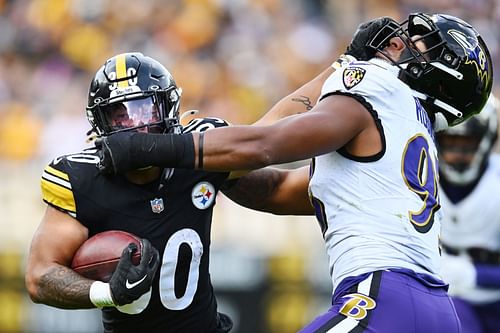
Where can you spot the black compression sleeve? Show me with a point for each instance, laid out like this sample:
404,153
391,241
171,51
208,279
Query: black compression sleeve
164,150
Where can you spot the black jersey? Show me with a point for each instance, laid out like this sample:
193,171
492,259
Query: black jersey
173,213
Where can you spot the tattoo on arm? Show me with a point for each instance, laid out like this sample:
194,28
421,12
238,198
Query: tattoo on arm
254,189
304,100
63,288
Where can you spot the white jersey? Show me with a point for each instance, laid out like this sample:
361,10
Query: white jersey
380,212
474,222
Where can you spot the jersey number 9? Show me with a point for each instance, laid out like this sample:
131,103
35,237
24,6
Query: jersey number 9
419,169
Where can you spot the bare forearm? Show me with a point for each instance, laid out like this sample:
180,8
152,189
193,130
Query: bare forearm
242,149
300,101
253,147
278,191
255,189
63,288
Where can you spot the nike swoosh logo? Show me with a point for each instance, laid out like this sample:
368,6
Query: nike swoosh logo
132,285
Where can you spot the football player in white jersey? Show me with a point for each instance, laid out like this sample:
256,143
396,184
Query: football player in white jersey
374,176
469,179
133,92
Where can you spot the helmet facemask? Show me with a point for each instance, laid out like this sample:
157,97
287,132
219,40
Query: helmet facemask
154,112
452,75
414,61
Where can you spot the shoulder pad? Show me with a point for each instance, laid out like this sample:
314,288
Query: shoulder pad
57,180
361,78
203,124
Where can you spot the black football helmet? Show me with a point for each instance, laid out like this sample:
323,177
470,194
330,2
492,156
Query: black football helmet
481,129
133,92
454,75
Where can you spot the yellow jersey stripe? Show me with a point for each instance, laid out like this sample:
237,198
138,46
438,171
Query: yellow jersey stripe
58,196
56,172
121,70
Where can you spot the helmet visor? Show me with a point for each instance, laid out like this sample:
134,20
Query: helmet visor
137,113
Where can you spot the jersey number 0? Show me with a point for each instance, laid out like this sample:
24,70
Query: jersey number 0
168,268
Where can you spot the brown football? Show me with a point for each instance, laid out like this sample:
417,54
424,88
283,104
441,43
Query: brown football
98,256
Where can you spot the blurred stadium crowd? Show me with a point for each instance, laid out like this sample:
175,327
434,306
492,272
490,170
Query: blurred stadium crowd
233,59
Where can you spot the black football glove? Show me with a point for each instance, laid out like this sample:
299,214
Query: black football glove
364,34
129,282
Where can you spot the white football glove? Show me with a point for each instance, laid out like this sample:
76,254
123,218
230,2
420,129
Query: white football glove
459,272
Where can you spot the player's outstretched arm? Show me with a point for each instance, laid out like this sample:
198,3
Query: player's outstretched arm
334,121
277,191
49,279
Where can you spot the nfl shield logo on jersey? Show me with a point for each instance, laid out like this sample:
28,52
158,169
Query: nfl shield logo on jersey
353,76
157,205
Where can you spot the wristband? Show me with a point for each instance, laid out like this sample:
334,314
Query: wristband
100,294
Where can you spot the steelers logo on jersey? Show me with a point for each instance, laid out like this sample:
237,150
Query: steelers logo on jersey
353,76
203,195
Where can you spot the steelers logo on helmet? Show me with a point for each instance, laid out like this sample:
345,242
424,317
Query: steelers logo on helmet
203,195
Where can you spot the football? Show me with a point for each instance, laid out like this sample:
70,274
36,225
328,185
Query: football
98,256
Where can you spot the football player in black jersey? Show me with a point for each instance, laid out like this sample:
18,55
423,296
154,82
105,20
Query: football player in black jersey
170,209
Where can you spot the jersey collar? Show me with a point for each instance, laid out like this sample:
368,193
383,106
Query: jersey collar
386,65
